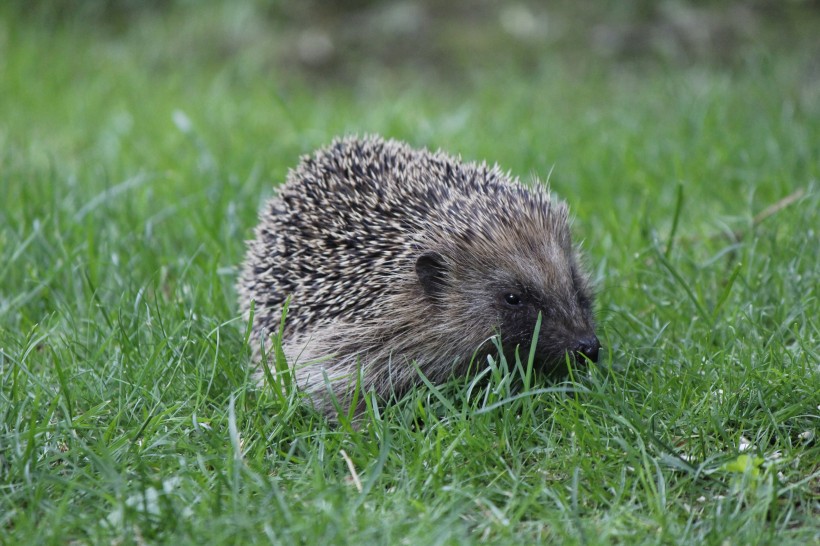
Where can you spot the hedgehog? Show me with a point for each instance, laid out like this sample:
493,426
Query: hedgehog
398,261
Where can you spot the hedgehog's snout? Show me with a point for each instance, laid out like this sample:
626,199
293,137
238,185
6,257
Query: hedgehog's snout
587,346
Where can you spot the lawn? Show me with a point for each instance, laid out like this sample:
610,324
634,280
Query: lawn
137,144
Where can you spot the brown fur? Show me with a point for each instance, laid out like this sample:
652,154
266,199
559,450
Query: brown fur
393,255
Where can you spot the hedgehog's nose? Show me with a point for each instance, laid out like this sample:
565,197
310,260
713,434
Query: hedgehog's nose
588,347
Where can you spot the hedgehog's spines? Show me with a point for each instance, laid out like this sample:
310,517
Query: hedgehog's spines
391,253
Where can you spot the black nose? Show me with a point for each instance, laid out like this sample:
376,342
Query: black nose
588,347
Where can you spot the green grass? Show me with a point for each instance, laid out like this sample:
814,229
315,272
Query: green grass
132,164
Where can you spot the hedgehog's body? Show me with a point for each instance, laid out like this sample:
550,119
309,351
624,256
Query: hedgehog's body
392,256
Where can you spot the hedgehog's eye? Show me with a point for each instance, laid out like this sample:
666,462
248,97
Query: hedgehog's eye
512,299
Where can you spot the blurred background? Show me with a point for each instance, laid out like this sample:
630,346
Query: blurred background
457,56
353,40
615,101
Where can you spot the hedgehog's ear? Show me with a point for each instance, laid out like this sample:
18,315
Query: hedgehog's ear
432,271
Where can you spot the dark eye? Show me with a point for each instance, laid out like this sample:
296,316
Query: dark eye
512,299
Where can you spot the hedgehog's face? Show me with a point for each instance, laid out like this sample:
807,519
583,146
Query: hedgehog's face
507,299
566,323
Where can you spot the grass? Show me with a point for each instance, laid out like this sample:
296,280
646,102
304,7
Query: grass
133,161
